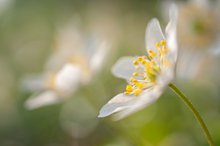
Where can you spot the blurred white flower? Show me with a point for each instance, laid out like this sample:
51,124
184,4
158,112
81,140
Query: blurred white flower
198,27
199,38
75,61
147,76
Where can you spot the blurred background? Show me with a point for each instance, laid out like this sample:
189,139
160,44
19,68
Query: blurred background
32,32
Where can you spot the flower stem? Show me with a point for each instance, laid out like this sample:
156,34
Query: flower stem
195,112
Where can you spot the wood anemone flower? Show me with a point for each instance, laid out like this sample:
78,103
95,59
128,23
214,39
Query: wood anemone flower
147,76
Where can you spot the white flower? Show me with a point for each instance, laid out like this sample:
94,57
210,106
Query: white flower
199,38
74,63
198,26
147,76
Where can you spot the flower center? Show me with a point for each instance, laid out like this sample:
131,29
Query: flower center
147,69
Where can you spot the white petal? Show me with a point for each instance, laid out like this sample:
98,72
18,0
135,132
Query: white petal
69,42
116,104
124,105
98,58
33,83
145,99
153,35
68,78
43,99
124,68
171,34
168,71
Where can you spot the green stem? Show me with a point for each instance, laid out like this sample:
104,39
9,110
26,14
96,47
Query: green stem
195,112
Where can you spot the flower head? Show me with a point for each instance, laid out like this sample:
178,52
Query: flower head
199,37
147,76
74,62
198,26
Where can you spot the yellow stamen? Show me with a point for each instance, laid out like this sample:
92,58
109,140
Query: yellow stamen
139,85
148,69
163,43
135,74
133,80
126,92
129,88
137,91
157,45
139,58
152,53
135,62
143,61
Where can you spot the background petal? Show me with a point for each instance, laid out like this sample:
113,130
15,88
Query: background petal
98,58
42,99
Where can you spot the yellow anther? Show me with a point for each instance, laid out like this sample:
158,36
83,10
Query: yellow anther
157,45
126,92
129,88
143,61
139,85
133,80
151,53
163,43
135,74
135,62
137,91
139,58
147,68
